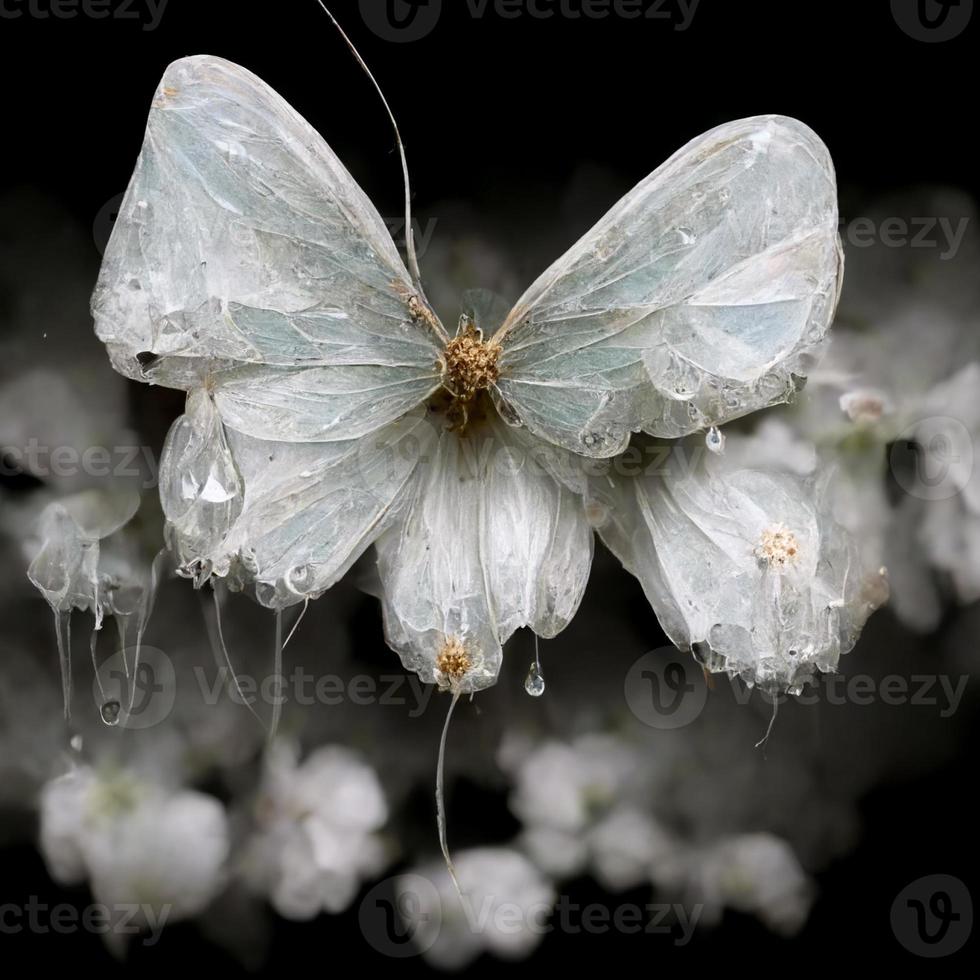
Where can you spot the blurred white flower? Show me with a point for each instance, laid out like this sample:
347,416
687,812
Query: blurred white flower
584,805
756,874
505,907
317,831
136,843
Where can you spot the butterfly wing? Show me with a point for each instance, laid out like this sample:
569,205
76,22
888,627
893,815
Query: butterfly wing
246,259
698,298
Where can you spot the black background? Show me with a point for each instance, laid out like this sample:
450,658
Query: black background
501,113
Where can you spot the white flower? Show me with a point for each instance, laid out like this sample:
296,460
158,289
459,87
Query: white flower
757,874
136,843
504,909
578,800
317,831
626,846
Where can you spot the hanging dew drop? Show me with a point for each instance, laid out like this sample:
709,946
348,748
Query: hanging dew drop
715,440
76,744
110,712
534,682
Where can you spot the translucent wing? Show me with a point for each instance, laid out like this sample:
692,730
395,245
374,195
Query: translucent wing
696,299
246,259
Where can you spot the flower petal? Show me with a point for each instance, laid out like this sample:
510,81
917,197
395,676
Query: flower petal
490,542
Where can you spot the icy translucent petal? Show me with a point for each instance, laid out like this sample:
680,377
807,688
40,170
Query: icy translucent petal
200,488
490,541
746,568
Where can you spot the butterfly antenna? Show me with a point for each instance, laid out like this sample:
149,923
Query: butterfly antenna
413,262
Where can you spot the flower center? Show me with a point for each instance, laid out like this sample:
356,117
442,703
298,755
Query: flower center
778,547
452,662
469,363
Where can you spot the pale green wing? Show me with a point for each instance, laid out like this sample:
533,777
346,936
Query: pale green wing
698,298
246,259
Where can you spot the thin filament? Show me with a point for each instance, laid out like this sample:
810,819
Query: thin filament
413,262
218,643
441,797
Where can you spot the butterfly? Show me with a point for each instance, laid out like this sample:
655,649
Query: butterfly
329,408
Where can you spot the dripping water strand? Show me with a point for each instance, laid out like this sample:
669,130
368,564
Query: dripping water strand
109,708
93,644
441,797
62,627
534,682
299,619
763,742
146,610
277,674
220,652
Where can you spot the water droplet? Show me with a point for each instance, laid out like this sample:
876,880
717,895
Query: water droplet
76,743
534,682
714,439
110,712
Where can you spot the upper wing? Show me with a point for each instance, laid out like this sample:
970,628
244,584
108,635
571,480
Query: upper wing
247,259
696,299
